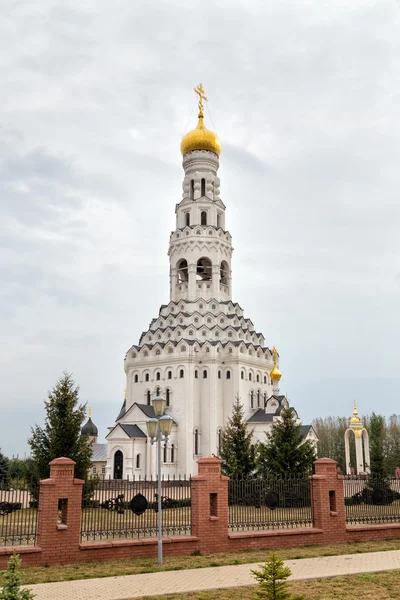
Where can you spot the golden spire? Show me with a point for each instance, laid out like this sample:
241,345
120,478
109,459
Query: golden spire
201,138
355,421
275,373
89,410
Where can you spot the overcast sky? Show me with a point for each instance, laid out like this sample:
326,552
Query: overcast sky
96,96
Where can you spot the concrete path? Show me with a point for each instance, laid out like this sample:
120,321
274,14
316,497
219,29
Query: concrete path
169,582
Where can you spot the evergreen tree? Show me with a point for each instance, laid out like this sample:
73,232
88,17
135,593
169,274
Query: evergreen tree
392,444
61,434
237,452
4,468
285,452
376,444
272,580
12,582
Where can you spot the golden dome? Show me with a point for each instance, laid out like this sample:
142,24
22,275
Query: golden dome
355,421
201,138
275,373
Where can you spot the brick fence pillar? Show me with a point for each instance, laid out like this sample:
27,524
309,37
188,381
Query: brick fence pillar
59,513
210,506
328,500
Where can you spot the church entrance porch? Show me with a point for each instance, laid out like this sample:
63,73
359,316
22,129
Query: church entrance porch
118,464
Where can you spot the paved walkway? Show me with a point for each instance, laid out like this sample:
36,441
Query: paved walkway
169,582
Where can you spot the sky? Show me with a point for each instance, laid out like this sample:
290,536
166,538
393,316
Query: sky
96,96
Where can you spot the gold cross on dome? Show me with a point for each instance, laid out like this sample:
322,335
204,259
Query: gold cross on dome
274,354
199,90
125,393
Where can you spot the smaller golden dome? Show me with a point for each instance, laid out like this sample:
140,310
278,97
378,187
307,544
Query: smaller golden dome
275,373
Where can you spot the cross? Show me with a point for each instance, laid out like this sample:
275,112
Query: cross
124,393
200,91
274,354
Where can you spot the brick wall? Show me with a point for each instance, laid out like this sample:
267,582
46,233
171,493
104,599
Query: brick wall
58,540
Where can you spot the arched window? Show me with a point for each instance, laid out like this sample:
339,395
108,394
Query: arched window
138,461
250,376
196,442
158,376
203,187
204,270
173,453
136,378
196,374
219,374
224,272
146,377
265,399
204,374
242,375
181,374
165,450
118,465
192,189
187,219
228,374
251,399
258,378
182,271
203,218
148,395
218,220
168,397
258,399
265,379
169,374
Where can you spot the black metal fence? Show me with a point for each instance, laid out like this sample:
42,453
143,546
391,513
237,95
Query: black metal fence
370,499
18,513
256,504
126,509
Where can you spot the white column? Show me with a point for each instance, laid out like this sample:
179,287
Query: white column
173,284
359,453
216,275
192,281
366,451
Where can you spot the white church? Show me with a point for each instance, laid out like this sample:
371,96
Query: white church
200,351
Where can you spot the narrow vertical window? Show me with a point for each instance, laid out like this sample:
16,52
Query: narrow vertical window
218,220
165,450
181,374
219,374
148,397
228,374
258,398
196,374
196,442
203,187
146,377
251,399
192,189
136,378
242,375
203,218
168,397
169,374
173,453
204,374
158,376
187,219
138,461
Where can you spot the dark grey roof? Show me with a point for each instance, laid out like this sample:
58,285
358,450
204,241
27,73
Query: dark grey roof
133,431
89,428
147,409
260,416
99,453
122,411
304,429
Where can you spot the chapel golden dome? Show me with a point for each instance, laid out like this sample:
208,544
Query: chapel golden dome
355,421
201,138
275,373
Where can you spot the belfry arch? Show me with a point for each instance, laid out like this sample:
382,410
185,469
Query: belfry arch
204,269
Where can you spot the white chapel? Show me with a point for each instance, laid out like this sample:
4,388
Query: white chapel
200,351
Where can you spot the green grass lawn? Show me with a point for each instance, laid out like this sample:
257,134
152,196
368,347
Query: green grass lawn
367,586
149,565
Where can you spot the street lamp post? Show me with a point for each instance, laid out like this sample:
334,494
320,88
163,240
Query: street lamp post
159,428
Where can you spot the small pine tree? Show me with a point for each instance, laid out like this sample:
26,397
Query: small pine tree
285,451
61,434
376,444
12,582
272,580
236,452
